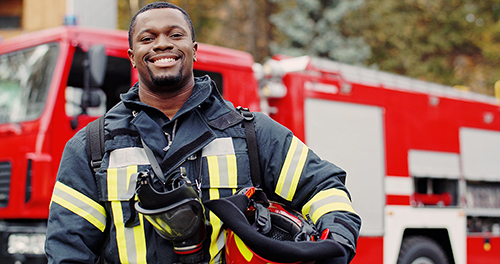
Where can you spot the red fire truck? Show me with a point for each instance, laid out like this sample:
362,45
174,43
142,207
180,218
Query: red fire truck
421,158
46,95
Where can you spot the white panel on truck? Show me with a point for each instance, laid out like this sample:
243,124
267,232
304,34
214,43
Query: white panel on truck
351,136
434,164
480,152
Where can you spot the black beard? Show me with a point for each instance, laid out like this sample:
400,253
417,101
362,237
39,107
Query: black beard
166,81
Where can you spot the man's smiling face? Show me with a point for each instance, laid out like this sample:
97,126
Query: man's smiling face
163,50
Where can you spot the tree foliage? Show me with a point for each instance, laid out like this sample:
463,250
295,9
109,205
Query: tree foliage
453,42
312,27
237,24
267,27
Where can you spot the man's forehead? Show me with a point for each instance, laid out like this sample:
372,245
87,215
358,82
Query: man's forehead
166,14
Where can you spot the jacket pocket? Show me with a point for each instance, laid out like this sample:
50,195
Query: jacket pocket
224,166
120,193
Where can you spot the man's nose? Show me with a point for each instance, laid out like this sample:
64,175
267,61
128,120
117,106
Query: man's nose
163,42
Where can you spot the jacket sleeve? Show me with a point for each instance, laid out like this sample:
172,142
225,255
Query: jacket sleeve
295,175
76,224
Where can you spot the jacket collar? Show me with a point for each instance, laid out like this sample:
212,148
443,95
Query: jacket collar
201,92
192,135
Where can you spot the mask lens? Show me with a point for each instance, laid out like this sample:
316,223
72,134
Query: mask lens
178,223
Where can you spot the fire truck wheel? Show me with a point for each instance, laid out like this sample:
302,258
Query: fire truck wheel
421,250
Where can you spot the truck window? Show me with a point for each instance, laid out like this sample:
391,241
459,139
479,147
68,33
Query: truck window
116,81
216,77
25,77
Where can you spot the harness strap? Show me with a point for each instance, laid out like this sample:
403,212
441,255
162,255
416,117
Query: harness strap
95,145
253,153
154,163
94,134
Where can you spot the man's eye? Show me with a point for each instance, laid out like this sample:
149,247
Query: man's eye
146,39
177,35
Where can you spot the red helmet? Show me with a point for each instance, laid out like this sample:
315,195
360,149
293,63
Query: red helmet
260,231
286,225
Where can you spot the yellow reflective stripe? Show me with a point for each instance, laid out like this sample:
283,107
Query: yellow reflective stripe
243,249
80,204
215,248
327,201
298,171
116,207
292,169
330,208
112,184
139,234
213,171
131,242
140,241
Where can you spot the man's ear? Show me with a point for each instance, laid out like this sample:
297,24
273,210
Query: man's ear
130,53
195,49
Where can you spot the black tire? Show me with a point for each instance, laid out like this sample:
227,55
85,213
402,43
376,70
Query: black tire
421,250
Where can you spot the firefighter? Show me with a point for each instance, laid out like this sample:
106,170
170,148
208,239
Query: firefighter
171,144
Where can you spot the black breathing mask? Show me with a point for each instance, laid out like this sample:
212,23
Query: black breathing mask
175,211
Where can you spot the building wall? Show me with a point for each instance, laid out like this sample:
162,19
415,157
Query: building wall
10,18
95,13
23,16
42,14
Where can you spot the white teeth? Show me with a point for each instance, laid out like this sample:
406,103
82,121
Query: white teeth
165,60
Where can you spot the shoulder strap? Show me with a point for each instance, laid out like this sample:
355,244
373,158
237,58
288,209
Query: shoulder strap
94,137
253,153
94,134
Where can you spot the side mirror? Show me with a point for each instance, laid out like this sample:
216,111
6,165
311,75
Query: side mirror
97,62
94,98
94,72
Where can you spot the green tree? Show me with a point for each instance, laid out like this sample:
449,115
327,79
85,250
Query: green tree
237,24
453,42
312,27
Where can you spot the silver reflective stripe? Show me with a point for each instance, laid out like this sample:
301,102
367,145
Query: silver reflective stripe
80,204
127,156
221,241
220,146
223,173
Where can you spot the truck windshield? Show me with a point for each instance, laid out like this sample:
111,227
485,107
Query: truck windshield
25,77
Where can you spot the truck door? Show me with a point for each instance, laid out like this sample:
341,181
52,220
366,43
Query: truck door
117,80
25,77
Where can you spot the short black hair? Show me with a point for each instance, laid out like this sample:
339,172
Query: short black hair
157,5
